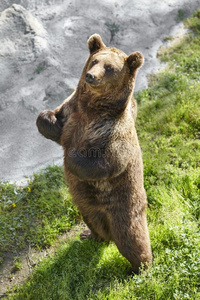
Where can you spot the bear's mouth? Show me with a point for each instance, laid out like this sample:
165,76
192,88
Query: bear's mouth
94,84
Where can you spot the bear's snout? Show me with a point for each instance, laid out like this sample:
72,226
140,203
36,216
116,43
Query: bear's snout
90,77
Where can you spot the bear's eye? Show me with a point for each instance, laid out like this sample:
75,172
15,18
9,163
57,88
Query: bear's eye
108,68
94,62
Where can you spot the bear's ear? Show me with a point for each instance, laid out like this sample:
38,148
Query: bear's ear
135,60
95,43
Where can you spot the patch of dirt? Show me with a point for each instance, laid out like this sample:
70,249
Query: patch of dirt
29,259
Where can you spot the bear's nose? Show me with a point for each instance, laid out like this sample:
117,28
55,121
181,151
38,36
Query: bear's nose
90,77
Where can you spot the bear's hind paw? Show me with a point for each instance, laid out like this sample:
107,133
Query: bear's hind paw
87,234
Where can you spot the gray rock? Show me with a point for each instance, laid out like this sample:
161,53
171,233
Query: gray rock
42,53
22,36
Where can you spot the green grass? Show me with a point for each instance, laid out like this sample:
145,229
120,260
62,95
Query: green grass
35,214
168,125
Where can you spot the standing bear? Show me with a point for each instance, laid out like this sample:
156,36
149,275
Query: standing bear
102,157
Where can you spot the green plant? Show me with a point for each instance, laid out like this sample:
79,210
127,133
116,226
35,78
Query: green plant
168,38
40,68
113,28
17,263
181,15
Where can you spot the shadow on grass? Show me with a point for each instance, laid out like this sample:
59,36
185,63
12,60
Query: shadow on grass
78,271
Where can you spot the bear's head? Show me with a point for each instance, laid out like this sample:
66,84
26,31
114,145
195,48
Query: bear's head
109,69
107,81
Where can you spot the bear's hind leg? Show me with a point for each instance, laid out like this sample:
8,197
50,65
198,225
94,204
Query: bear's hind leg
98,225
132,240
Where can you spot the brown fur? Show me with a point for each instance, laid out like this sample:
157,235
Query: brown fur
102,156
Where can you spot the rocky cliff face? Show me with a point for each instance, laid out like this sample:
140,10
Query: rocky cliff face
43,49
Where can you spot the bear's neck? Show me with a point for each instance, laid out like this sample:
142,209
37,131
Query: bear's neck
108,105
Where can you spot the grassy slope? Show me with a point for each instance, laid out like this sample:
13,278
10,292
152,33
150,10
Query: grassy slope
34,214
169,131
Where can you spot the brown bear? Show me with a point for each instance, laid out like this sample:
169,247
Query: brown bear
102,156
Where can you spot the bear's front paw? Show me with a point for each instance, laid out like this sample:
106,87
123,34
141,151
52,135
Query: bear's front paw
49,126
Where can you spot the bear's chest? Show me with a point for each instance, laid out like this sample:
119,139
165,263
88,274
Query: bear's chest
80,133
